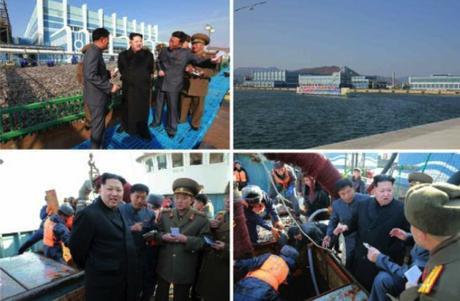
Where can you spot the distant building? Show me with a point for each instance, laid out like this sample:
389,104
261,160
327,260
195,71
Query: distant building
435,82
362,81
56,23
367,82
272,79
326,84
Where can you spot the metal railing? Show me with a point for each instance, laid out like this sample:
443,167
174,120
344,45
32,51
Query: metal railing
18,121
21,120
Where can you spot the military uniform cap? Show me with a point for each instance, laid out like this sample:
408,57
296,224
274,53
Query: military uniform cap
200,38
434,208
186,186
420,177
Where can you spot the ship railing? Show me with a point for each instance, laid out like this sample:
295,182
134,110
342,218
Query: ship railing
20,120
10,243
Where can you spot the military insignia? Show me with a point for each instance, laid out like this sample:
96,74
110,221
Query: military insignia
430,281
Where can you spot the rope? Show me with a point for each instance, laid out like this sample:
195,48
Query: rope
283,201
426,162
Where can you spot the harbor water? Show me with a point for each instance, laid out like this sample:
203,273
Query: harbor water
286,120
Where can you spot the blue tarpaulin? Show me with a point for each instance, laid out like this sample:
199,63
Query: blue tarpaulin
185,138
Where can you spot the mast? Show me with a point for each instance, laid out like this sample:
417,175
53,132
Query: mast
5,24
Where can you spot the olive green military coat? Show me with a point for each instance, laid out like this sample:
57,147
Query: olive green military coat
447,286
198,86
178,262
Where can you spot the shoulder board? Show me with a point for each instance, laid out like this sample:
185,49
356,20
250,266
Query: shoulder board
430,281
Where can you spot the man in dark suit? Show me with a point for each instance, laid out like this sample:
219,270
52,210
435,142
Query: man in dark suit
136,67
97,88
171,63
101,243
373,221
141,220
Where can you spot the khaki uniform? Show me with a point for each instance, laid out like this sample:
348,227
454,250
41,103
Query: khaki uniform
195,90
447,285
214,280
177,262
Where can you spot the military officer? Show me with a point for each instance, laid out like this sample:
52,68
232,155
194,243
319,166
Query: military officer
196,82
172,63
181,234
433,210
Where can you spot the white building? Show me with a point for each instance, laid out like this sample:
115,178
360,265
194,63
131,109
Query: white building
56,23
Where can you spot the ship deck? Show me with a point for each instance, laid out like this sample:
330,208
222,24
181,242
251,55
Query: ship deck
185,138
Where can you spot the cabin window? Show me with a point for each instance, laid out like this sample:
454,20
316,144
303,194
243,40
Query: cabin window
216,158
196,159
161,160
177,160
149,164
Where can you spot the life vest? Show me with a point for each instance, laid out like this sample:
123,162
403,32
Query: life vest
282,181
49,239
273,271
48,233
239,176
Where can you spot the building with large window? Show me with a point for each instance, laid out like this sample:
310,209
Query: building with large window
435,82
325,84
273,79
57,23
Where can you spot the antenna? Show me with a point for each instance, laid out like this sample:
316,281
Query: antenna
93,170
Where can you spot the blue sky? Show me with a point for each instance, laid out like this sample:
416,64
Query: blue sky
188,15
409,37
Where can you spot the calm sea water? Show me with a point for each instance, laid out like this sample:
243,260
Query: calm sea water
285,120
